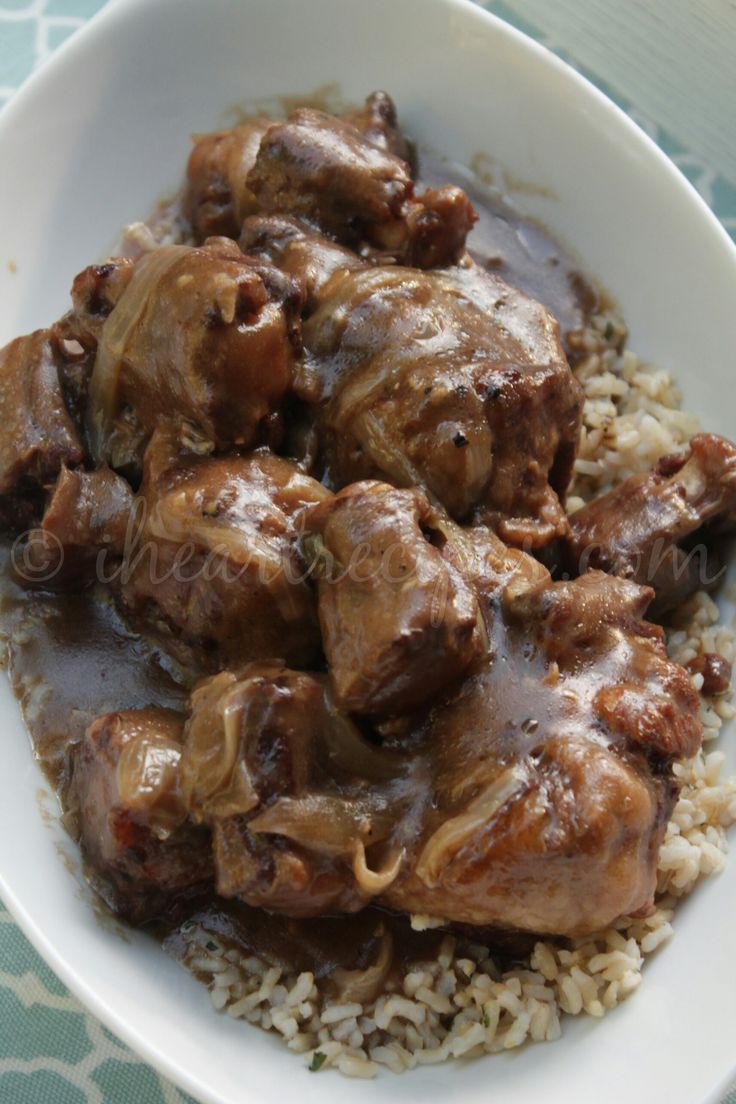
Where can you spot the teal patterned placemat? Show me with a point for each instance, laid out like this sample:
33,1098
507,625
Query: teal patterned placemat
718,192
51,1050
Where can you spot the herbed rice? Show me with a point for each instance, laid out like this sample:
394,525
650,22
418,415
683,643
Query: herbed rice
461,1004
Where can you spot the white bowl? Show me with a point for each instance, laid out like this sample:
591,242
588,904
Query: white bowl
90,144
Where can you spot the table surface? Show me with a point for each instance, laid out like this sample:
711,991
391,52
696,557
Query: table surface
51,1050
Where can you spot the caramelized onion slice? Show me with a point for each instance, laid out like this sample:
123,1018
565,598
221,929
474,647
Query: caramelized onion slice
215,777
387,454
374,882
326,824
365,985
148,781
117,332
349,751
444,844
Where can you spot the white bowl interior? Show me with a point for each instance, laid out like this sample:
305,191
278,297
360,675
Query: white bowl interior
91,144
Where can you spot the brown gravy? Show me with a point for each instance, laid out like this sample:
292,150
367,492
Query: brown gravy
521,250
72,657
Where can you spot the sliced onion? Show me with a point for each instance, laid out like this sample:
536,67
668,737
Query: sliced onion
148,780
444,844
117,333
239,795
326,824
365,985
374,882
388,456
352,753
215,776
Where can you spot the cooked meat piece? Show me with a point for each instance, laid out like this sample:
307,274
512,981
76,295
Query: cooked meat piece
325,170
38,434
288,787
650,701
95,292
551,782
298,250
399,622
716,672
89,509
200,334
312,259
132,818
654,528
217,198
87,513
451,381
431,233
377,121
563,843
215,553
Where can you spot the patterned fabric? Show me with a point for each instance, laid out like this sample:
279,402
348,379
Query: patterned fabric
54,1052
51,1050
718,192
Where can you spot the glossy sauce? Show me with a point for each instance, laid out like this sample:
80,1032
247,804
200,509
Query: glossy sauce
72,657
521,250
